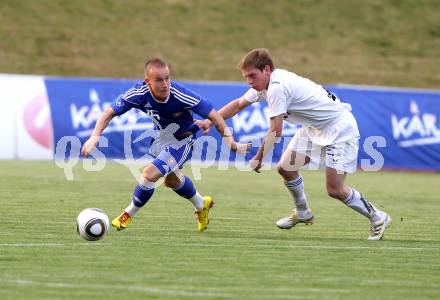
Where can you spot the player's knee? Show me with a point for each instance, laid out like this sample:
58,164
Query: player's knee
168,183
280,169
171,182
335,192
148,177
287,174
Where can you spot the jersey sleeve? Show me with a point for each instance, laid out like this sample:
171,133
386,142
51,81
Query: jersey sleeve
128,100
121,106
203,108
191,100
277,100
253,96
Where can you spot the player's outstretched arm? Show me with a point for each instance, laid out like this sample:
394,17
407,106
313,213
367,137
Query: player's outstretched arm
101,124
227,111
272,136
226,133
233,108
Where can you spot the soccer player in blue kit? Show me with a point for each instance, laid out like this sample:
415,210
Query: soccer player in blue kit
170,106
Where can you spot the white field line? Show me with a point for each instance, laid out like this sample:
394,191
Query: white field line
49,245
153,290
18,245
179,244
128,288
305,247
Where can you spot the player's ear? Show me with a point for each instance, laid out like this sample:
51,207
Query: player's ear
146,76
266,68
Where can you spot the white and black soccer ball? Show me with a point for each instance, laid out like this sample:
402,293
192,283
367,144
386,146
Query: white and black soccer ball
92,224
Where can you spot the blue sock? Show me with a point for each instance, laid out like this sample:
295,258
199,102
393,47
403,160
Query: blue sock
187,189
141,195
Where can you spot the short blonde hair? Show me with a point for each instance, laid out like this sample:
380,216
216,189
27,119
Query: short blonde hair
154,62
257,58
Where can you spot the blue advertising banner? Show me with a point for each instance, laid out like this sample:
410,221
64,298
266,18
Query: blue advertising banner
76,105
408,121
400,129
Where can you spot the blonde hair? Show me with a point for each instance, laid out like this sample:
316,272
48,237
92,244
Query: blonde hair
154,62
257,58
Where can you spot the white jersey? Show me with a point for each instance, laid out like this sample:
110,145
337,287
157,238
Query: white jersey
306,103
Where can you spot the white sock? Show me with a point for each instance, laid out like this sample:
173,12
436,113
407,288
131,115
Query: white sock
296,190
197,201
357,202
131,209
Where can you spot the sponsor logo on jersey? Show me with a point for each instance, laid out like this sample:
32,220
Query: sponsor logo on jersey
166,168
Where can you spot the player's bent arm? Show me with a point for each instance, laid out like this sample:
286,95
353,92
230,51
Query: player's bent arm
228,111
102,122
233,108
225,132
272,136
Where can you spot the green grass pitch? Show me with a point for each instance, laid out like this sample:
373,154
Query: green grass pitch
241,256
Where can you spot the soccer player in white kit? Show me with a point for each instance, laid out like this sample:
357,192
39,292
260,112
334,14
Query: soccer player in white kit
329,136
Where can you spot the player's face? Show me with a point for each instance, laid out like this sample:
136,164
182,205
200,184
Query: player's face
257,79
158,80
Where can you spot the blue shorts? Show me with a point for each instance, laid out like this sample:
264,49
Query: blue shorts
172,158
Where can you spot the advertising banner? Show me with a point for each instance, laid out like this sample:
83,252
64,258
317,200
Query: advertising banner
76,105
7,120
25,103
408,121
400,128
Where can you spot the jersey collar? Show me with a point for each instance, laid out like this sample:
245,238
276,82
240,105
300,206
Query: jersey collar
161,102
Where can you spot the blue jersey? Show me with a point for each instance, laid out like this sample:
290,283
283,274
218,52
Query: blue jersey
177,109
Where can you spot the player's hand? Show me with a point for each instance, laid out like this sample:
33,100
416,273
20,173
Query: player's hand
255,164
204,125
241,148
89,145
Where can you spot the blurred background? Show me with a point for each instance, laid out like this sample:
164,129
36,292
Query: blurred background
62,63
78,56
374,42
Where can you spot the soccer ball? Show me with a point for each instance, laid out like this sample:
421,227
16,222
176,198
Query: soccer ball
92,224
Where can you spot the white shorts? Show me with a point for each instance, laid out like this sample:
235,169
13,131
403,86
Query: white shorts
341,156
